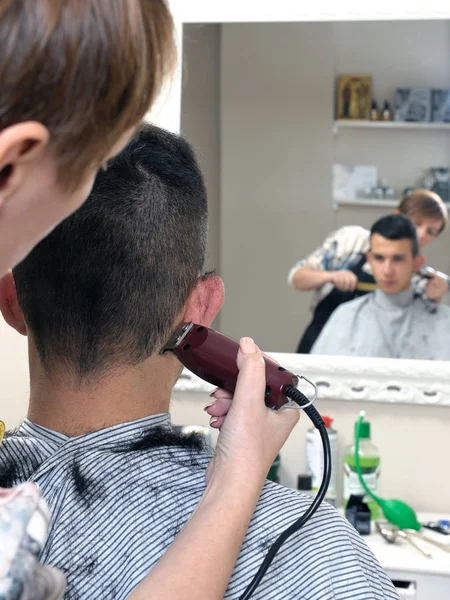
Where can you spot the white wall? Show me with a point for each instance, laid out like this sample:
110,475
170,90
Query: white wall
14,388
200,117
395,54
277,148
276,162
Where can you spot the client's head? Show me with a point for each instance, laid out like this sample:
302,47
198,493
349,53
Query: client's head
394,253
105,289
428,213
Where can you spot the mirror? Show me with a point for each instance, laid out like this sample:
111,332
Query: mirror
258,103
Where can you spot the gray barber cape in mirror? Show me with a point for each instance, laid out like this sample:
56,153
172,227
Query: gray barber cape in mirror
387,326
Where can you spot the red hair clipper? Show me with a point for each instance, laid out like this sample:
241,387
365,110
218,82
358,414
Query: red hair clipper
212,356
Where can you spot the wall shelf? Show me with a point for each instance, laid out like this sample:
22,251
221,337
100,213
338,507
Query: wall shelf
368,202
364,124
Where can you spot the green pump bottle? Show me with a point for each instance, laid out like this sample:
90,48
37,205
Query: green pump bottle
369,459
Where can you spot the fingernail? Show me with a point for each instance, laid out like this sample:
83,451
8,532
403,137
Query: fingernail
213,392
210,404
248,346
213,420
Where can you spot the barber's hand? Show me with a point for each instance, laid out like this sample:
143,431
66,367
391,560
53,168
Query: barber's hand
251,434
24,518
345,281
436,288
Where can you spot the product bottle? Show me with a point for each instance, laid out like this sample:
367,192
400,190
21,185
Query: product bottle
374,113
304,484
272,475
369,460
314,459
358,514
386,114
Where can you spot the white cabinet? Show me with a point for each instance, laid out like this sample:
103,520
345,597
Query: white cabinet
416,577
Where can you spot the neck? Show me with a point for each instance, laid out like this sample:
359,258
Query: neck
405,289
400,299
60,404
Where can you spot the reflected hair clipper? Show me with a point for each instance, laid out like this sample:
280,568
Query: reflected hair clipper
212,356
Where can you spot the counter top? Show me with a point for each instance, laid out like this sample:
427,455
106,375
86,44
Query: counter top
402,557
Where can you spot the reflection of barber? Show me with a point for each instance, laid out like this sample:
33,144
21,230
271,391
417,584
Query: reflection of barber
394,321
339,267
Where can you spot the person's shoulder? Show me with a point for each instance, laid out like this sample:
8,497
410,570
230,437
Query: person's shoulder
344,310
311,559
16,436
351,231
275,497
443,311
279,507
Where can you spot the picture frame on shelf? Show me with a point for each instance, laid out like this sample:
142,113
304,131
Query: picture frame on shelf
440,106
354,97
412,105
353,181
437,179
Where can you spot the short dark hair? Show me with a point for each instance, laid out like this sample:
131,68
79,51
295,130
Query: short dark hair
397,227
105,287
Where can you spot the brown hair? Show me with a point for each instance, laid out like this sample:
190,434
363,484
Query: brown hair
426,203
88,70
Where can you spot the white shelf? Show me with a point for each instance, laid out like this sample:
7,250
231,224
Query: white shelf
361,124
373,202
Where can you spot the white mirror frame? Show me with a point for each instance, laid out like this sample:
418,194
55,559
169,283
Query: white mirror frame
337,378
421,382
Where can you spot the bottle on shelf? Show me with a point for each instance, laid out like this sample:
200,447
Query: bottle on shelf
314,459
358,514
272,475
374,112
304,484
386,113
369,460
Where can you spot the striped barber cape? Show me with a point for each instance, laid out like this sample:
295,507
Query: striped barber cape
120,495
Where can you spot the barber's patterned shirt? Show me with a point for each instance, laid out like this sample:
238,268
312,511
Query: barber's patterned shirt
343,250
120,495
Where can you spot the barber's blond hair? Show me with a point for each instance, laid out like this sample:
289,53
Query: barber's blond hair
425,203
88,70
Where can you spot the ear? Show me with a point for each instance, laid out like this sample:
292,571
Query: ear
419,261
20,145
205,301
369,257
9,304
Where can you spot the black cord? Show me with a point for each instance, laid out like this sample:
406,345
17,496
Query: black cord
296,395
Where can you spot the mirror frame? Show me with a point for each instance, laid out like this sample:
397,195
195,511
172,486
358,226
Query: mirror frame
263,11
337,377
422,382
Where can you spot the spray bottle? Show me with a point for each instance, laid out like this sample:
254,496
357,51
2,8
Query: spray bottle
314,459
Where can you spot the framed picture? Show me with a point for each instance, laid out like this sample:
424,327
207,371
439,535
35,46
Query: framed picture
412,104
354,96
353,181
440,106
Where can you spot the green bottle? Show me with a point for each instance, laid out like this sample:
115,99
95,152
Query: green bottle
273,471
369,459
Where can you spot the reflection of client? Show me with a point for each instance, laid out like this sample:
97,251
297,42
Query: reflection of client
393,321
334,269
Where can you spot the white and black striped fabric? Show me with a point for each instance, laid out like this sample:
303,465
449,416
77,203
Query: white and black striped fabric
120,495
